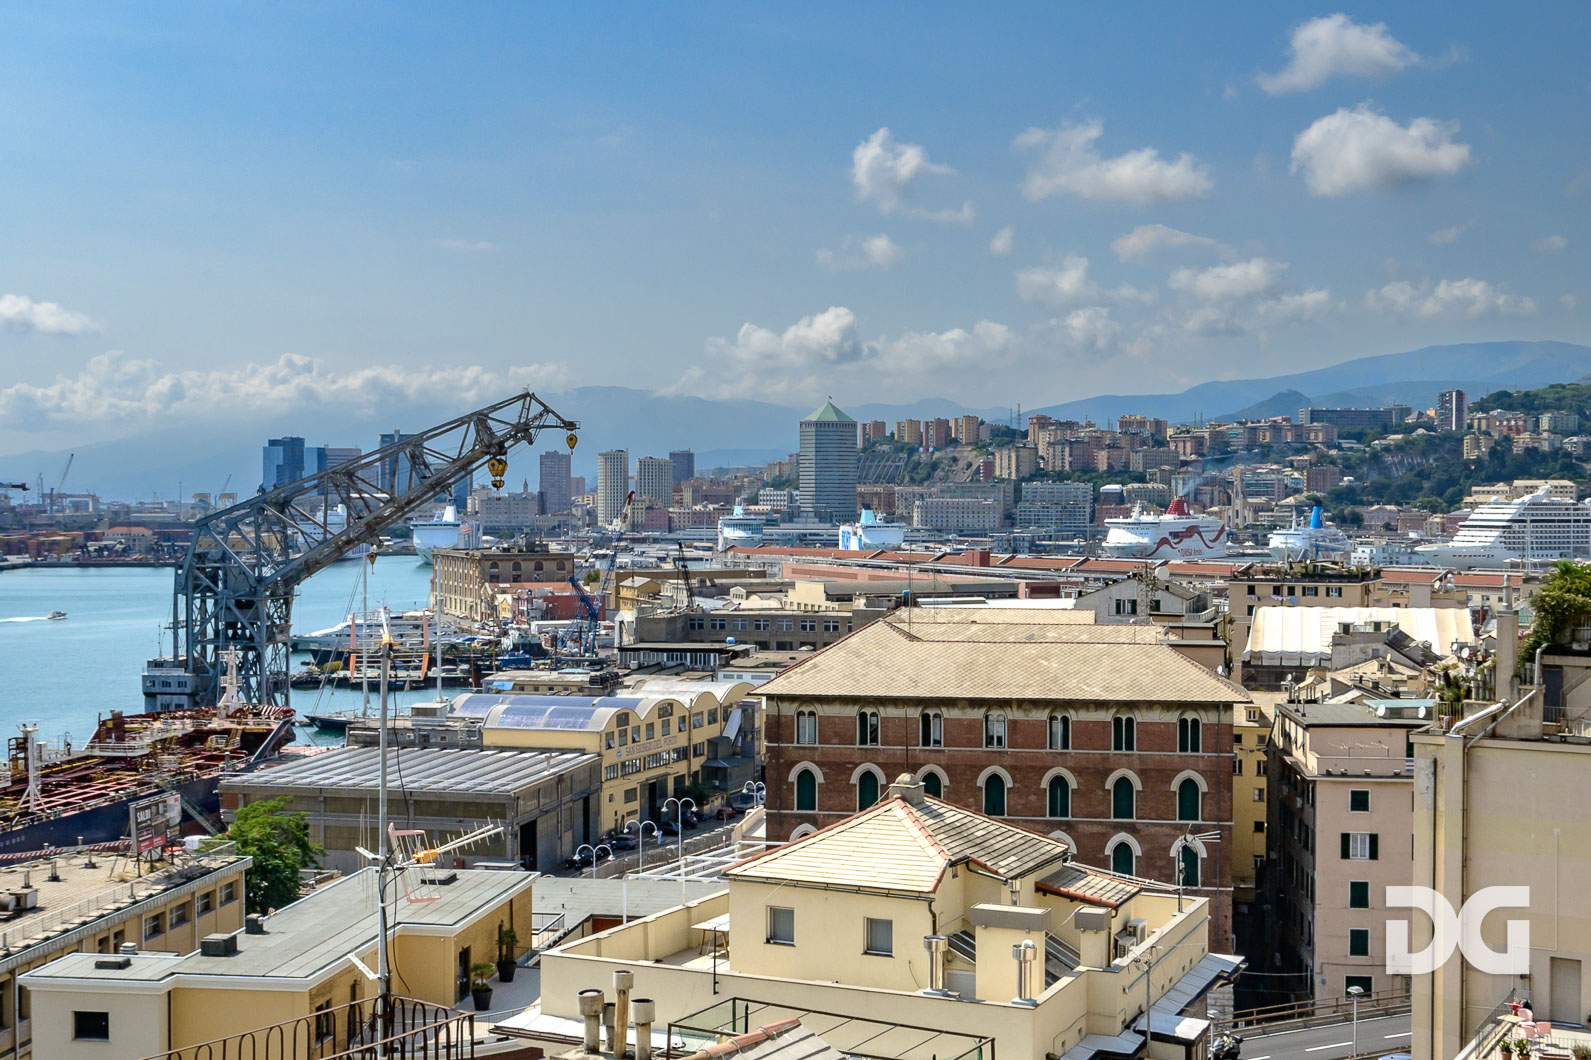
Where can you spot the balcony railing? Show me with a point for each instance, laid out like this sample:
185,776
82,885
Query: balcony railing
407,1030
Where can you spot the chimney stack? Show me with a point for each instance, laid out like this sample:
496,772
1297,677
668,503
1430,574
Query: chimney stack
623,983
645,1014
591,1009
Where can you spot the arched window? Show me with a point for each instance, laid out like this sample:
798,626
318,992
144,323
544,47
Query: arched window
994,795
931,729
1060,793
1060,732
1189,739
1123,734
994,730
866,790
1190,866
932,785
806,785
539,565
517,566
1123,797
867,728
1121,859
1188,800
806,726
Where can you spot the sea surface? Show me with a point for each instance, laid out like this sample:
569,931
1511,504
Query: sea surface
65,675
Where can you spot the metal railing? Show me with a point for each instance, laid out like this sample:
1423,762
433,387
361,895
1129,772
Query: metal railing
1320,1010
360,1030
545,929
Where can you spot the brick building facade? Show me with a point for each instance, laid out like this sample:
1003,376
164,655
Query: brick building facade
1101,735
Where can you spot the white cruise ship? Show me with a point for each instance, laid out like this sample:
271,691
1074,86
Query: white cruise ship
1312,542
443,531
1537,529
1178,534
739,529
868,534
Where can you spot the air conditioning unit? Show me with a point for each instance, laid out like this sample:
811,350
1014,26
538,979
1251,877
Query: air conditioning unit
1139,928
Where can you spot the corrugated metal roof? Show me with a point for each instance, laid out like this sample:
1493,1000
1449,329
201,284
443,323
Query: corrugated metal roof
1003,660
426,770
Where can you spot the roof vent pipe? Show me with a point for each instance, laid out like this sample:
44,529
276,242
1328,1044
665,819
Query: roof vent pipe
623,983
936,945
591,1011
645,1014
1025,953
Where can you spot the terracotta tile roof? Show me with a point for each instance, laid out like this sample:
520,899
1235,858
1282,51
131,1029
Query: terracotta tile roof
904,844
1083,884
985,653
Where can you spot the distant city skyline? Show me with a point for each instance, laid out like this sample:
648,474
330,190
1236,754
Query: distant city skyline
244,220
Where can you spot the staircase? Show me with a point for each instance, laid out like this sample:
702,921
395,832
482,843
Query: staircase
1059,957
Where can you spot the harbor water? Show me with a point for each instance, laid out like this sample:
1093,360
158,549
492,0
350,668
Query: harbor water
64,675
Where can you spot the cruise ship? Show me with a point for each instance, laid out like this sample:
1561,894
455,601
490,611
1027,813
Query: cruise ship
1312,542
739,529
868,534
1178,534
446,530
1537,529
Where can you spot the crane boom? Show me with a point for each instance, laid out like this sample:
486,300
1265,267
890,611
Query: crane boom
234,588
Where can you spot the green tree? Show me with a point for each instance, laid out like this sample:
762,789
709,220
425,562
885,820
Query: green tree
279,843
1562,603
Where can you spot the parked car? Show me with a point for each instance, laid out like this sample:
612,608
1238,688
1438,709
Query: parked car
670,827
622,842
726,812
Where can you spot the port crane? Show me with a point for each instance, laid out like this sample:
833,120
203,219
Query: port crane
234,588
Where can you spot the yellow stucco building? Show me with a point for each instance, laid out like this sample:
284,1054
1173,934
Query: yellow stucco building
291,965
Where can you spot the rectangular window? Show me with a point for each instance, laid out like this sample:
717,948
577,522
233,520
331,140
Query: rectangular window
651,731
180,915
154,926
1360,846
880,940
229,893
624,737
325,1022
1358,894
809,625
1259,794
718,623
831,625
762,625
1259,826
1359,942
786,625
90,1026
1359,800
1364,982
206,902
781,925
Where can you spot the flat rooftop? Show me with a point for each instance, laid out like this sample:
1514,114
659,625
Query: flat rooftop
431,771
309,937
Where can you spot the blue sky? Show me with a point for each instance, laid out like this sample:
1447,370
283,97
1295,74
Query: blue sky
211,206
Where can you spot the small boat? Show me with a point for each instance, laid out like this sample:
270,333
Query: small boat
56,615
331,722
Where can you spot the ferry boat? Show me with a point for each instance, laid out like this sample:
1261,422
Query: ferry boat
1178,534
446,530
739,529
868,534
1534,530
1312,542
410,630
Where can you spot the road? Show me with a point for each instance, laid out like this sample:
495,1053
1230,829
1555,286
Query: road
1378,1036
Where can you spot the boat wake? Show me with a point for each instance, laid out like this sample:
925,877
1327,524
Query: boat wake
29,618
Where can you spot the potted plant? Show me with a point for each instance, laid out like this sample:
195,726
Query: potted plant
1580,1052
1522,1048
1508,1049
507,941
481,986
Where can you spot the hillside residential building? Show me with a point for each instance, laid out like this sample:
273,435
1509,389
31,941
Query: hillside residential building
1341,833
1016,461
828,464
930,916
1452,410
654,481
295,966
1102,735
956,514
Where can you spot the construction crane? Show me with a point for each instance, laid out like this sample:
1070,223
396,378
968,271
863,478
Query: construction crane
685,575
234,588
50,507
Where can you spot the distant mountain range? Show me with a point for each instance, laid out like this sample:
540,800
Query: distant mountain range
743,432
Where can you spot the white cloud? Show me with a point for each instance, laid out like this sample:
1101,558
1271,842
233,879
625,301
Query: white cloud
1002,242
1358,149
115,388
884,170
1450,234
1571,302
826,338
1336,46
466,246
1304,307
1229,283
870,252
1091,327
18,312
1549,244
1068,163
928,351
1067,284
1468,298
1142,241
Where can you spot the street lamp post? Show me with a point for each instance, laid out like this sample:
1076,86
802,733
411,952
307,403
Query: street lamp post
640,835
1354,992
679,808
757,790
594,858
